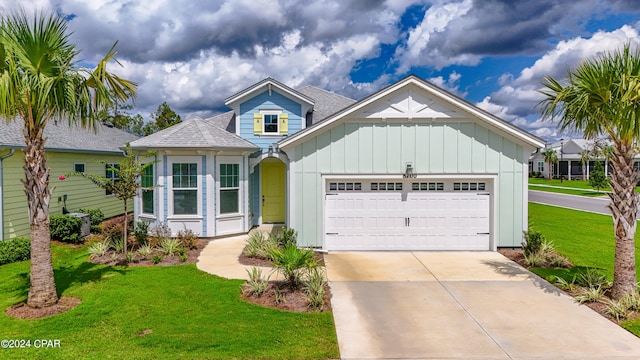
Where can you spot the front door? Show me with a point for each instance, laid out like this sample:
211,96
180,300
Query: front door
273,187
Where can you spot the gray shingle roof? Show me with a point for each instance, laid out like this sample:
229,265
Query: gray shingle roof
193,133
62,137
326,103
226,121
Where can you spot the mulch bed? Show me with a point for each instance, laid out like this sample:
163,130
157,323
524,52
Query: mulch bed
517,256
295,297
23,311
112,258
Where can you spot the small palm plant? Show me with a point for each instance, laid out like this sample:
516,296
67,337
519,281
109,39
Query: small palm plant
291,260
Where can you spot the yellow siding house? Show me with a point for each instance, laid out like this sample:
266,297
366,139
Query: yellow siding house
68,149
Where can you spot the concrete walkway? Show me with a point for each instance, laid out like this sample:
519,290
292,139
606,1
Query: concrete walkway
461,305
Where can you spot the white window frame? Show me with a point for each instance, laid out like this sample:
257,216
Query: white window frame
264,113
153,192
540,166
237,188
170,200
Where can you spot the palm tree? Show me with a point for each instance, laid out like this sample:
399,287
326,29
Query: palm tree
585,156
602,97
40,80
550,158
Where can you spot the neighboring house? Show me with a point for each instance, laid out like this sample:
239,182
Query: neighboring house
411,167
569,165
68,149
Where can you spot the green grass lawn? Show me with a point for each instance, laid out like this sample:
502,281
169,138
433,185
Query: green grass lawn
192,315
565,183
568,187
586,239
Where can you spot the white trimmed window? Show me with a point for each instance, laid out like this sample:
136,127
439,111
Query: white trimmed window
184,183
271,122
229,188
540,166
147,182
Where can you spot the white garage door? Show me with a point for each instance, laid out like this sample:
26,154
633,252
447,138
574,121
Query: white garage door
407,215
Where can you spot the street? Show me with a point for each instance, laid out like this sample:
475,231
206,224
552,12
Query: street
596,205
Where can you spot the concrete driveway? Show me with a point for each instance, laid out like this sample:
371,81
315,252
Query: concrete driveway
461,305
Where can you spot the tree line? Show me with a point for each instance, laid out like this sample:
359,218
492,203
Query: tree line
118,115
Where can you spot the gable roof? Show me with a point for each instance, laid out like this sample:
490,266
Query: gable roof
268,83
225,121
68,138
326,102
193,133
433,90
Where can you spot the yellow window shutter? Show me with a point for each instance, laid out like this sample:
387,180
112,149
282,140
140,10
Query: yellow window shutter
284,124
257,123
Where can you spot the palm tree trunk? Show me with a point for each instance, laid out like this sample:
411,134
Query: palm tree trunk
42,289
624,208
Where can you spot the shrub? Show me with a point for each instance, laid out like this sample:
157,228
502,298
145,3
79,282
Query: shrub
188,238
170,246
113,229
314,286
156,259
592,294
183,257
287,237
256,284
159,232
278,296
145,250
98,249
141,232
617,309
631,301
290,260
563,284
96,217
131,256
592,278
118,244
254,245
66,228
532,242
16,249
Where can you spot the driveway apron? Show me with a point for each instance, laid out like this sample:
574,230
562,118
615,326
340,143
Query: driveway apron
461,305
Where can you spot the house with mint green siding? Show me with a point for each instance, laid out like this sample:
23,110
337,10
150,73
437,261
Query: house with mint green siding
68,149
410,167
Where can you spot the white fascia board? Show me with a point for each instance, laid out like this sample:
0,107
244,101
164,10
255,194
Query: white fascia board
269,83
491,119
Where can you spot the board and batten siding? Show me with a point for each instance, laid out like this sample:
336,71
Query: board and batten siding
379,147
264,101
81,193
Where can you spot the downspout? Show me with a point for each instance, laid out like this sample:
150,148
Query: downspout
2,157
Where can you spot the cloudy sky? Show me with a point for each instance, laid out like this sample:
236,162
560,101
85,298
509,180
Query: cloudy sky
494,53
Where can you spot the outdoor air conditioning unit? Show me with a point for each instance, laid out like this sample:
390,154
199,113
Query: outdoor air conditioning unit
85,229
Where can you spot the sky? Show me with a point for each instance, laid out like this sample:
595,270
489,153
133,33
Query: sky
193,54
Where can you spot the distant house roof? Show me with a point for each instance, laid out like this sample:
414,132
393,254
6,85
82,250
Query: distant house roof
326,103
69,138
193,133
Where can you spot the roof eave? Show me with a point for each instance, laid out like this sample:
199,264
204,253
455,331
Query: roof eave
266,82
524,136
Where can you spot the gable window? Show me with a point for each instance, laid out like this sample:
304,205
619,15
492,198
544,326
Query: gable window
270,122
79,168
185,188
111,174
540,166
147,190
229,188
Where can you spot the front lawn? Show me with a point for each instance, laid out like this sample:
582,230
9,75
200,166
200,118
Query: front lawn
571,187
157,313
586,239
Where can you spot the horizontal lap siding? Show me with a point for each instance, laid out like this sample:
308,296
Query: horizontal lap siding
264,101
81,193
377,147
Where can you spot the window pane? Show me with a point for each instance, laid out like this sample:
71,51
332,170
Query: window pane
185,202
147,201
271,123
228,201
147,177
79,168
185,175
229,175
